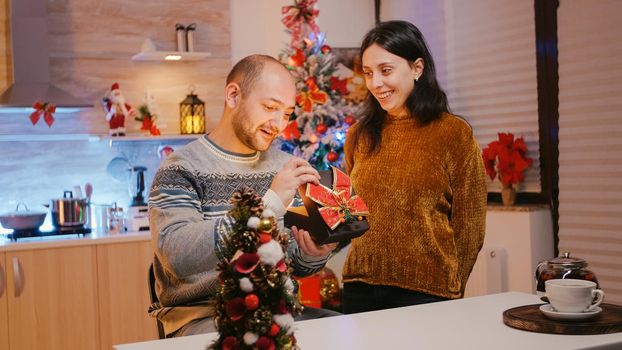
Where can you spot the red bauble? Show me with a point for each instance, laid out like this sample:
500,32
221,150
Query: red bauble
326,49
332,156
274,330
252,302
265,238
349,120
321,128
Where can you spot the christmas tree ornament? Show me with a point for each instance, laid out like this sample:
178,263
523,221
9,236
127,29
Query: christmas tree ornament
255,304
332,156
116,110
46,110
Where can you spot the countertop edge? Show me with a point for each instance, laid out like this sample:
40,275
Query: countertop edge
73,241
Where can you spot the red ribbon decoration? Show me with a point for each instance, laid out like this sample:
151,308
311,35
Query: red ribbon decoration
46,109
299,15
339,202
306,99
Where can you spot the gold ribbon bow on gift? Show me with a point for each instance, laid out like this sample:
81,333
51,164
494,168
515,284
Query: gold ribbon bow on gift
338,204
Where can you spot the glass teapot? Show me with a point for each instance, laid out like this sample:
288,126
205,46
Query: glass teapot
562,267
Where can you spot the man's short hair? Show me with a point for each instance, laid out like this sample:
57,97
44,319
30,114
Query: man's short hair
246,72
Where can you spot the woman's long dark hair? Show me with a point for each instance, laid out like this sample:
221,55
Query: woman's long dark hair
426,102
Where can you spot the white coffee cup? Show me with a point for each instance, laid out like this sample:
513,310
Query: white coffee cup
570,295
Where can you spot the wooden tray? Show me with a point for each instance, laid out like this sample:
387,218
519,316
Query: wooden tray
530,318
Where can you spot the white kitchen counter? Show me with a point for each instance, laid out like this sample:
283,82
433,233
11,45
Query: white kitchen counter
470,323
59,241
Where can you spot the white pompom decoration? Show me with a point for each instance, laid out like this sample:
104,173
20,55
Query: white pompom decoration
253,222
285,321
270,253
267,213
246,285
250,338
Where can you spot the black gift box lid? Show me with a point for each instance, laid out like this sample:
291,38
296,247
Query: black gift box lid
305,214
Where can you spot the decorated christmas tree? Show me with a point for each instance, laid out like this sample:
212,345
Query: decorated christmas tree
317,128
256,304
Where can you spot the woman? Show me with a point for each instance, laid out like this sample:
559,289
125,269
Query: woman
420,172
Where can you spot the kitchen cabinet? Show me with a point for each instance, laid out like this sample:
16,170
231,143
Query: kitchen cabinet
4,321
124,294
52,298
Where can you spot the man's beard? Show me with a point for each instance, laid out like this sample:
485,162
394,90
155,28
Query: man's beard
244,132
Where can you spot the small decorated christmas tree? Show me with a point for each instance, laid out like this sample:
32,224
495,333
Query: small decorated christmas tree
317,128
256,304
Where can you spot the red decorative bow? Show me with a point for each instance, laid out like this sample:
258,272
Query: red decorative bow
298,16
306,99
338,204
46,109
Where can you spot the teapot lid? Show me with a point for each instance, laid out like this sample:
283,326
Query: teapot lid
566,261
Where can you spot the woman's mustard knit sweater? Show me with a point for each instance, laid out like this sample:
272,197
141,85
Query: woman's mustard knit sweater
426,193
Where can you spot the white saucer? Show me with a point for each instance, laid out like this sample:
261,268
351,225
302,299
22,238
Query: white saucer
550,312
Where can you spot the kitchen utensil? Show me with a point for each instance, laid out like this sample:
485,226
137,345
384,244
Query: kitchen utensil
562,267
68,211
572,295
77,191
22,220
549,311
119,168
88,191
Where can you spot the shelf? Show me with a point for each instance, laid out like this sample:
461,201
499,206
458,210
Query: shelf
97,137
170,56
51,137
113,140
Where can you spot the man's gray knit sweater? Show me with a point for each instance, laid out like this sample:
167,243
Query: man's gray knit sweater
188,205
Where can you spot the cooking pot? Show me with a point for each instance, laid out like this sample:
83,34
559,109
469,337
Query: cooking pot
22,220
68,211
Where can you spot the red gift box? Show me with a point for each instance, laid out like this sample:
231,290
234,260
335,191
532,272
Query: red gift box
330,211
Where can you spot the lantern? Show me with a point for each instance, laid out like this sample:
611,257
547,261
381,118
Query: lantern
192,115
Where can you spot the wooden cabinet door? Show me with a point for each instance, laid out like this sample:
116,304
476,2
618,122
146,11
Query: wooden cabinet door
52,299
4,316
124,294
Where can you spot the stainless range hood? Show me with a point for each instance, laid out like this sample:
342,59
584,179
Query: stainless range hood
31,76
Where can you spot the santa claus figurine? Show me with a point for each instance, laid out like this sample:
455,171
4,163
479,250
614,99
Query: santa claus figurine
117,110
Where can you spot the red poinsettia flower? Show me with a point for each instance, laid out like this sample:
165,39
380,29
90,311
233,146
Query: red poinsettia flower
247,262
306,99
291,131
235,308
297,59
506,159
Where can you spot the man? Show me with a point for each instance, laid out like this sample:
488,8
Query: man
190,194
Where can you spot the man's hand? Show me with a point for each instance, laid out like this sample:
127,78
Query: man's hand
308,246
294,173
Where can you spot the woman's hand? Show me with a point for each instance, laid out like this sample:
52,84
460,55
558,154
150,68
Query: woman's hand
308,246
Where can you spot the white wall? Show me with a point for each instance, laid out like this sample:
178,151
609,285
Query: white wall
256,25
